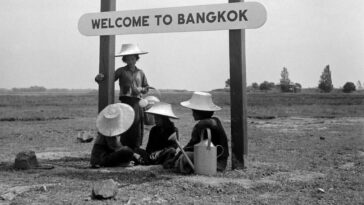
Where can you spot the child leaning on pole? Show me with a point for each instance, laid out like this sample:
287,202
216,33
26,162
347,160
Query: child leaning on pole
202,111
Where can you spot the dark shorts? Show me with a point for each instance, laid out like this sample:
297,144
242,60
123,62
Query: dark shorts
104,157
133,137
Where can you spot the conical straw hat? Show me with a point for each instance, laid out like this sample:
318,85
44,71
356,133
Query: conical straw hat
201,101
115,119
162,108
130,49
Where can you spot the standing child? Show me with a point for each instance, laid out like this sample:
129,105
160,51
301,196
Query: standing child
159,148
133,84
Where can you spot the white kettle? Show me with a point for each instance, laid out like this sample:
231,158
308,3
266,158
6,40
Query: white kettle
205,156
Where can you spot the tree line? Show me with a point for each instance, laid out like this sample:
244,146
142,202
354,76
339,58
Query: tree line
286,85
41,89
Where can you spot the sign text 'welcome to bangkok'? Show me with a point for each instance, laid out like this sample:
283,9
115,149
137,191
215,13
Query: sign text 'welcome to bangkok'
177,19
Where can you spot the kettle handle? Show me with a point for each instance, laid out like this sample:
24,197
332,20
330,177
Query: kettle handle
208,137
221,152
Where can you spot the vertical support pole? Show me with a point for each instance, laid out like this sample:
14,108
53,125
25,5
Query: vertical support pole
107,62
238,97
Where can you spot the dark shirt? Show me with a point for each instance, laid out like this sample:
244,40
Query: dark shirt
111,143
158,138
218,137
133,137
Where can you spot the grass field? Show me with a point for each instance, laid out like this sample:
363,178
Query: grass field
311,151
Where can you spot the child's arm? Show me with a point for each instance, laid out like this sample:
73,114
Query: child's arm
150,145
195,138
172,143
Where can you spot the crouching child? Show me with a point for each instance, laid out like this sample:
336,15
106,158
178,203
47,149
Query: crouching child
203,110
107,150
159,148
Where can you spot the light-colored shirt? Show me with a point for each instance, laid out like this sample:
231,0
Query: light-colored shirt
130,80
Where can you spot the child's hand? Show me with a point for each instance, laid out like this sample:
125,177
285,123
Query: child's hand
177,151
99,77
135,91
136,156
138,159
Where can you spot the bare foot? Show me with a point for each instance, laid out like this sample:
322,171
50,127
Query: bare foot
127,164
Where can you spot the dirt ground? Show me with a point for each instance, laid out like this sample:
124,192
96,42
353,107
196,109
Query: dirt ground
291,160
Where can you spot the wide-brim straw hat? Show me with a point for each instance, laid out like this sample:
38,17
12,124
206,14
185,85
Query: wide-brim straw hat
130,49
201,101
115,119
162,108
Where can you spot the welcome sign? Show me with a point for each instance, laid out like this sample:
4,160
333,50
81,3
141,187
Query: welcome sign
243,15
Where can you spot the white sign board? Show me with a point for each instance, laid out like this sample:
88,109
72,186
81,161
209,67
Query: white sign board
242,15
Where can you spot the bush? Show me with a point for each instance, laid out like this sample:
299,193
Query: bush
266,85
286,88
297,87
255,86
349,87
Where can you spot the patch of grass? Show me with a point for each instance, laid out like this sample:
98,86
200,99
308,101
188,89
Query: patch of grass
299,154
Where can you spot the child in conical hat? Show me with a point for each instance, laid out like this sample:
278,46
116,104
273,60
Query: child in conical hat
159,148
107,150
133,84
203,110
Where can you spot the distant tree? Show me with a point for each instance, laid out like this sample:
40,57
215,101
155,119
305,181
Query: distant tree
349,87
359,85
266,85
285,81
271,85
255,86
284,76
227,83
325,83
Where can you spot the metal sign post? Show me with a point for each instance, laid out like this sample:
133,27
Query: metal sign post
107,61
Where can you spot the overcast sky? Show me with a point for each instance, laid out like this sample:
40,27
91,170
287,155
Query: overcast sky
40,45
